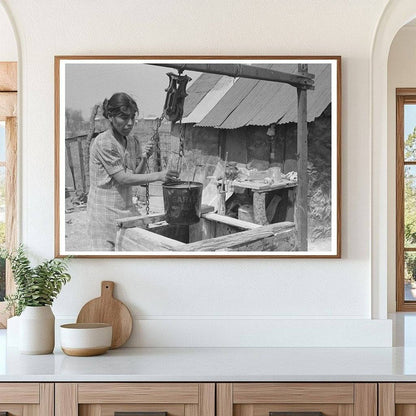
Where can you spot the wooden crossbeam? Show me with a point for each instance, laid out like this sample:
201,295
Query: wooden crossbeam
247,71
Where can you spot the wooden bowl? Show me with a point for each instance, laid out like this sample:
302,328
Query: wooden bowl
84,340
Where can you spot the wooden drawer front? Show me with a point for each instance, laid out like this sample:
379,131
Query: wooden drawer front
293,393
27,399
405,393
138,393
104,399
332,399
19,393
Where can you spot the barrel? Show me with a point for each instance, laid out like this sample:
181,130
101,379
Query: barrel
182,202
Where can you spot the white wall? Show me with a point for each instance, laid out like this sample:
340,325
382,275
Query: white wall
211,302
8,47
401,74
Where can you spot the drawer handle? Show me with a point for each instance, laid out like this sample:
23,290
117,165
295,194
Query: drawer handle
138,414
296,414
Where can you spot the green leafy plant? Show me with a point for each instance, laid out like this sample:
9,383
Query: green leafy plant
35,286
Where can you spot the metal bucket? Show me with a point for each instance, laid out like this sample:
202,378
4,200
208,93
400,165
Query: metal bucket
182,201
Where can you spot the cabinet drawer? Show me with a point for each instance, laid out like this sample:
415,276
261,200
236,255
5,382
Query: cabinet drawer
296,399
397,399
107,399
21,399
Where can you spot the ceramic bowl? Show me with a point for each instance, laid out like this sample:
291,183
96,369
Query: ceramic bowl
83,340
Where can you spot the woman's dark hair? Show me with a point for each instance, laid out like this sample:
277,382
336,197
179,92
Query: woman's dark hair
120,103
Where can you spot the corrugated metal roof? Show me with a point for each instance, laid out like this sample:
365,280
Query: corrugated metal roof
197,91
252,102
210,99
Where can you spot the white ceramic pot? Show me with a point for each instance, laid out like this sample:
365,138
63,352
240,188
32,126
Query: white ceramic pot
85,339
37,330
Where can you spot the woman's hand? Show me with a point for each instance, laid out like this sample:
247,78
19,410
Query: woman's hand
169,175
148,149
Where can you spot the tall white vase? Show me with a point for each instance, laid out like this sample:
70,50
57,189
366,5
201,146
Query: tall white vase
37,330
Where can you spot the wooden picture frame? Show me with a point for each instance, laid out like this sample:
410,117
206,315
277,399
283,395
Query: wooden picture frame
260,135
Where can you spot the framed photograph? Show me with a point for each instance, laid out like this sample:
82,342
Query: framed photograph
198,156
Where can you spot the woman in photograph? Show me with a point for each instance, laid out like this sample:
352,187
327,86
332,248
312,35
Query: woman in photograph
117,163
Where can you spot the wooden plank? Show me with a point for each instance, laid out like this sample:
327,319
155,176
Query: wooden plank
261,186
8,105
8,76
365,403
280,231
207,399
141,221
234,222
144,220
47,399
301,210
405,393
224,399
386,399
66,399
252,393
27,393
138,393
248,71
137,239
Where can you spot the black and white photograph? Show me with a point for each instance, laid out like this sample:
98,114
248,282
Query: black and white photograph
197,157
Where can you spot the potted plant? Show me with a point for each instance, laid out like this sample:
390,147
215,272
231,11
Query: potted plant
36,289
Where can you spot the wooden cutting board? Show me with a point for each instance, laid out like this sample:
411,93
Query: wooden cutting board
107,309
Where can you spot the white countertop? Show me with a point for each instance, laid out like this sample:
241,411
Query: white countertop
213,364
222,364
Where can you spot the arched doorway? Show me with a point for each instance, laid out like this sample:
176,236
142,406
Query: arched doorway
396,14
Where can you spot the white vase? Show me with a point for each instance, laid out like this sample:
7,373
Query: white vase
37,330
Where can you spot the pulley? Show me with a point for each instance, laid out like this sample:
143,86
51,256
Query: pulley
175,96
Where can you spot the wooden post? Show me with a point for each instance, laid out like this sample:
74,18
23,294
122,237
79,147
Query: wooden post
81,164
221,143
301,216
70,162
91,130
